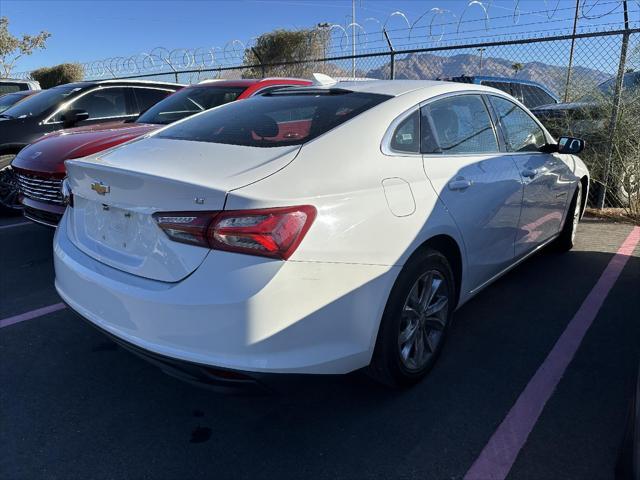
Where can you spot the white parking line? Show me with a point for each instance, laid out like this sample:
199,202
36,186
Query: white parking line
12,225
38,312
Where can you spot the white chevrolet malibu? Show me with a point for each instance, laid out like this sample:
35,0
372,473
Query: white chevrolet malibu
316,230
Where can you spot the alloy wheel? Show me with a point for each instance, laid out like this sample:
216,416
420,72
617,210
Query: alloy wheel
424,318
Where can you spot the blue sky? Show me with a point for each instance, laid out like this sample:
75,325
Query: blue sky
85,30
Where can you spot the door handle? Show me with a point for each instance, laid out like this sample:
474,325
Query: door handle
459,184
530,172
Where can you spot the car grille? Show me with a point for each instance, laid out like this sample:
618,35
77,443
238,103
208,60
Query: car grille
47,190
42,216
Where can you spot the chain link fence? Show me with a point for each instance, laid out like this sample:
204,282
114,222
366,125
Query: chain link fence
594,75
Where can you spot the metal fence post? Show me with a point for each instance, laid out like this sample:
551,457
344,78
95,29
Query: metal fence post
615,111
392,54
573,45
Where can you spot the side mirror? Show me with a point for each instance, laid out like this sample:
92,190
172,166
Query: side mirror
570,145
73,116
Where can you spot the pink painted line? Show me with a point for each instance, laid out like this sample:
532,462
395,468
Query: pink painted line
497,457
5,322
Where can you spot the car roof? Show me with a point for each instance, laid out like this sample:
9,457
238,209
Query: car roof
247,82
23,93
400,87
124,82
17,80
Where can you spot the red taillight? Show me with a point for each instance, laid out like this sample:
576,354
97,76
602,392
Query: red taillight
269,232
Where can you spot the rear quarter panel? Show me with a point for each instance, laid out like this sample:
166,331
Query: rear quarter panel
341,173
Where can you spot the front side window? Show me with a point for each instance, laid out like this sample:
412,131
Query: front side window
406,137
522,133
189,101
461,125
103,103
281,118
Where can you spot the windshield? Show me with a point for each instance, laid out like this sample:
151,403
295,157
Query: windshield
275,119
189,101
630,82
10,99
40,103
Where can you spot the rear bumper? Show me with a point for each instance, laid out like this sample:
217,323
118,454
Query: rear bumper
227,381
235,312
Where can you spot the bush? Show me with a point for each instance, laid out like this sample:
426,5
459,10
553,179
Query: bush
290,47
58,74
619,152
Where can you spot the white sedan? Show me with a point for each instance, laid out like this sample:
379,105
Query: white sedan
316,230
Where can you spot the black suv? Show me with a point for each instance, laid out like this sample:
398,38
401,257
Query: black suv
71,105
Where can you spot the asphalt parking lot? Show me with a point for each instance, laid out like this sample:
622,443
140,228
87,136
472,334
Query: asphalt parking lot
74,405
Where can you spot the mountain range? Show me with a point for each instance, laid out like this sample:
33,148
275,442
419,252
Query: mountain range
427,66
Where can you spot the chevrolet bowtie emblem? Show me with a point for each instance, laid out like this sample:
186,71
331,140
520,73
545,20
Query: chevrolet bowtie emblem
100,188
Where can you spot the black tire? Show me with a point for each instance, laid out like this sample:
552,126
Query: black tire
388,365
8,186
566,240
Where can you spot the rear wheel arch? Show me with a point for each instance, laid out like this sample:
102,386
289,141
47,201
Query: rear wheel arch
447,246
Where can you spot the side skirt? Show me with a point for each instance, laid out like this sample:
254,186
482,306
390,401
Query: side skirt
511,267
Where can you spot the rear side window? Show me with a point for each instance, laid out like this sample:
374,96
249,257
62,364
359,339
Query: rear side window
148,97
522,133
406,138
533,96
461,125
276,119
504,86
6,87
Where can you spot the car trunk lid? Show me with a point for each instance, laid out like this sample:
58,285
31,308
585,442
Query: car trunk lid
116,195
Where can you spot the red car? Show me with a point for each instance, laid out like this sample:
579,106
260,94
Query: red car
40,166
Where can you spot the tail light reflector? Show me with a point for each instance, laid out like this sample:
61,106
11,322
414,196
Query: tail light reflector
269,232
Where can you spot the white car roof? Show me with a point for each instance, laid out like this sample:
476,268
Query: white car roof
400,87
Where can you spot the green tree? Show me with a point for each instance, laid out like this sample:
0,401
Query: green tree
516,67
286,46
14,48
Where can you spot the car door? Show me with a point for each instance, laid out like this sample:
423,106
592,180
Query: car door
546,177
104,104
478,183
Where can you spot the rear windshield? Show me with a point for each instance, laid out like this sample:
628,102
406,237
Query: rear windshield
189,101
276,119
